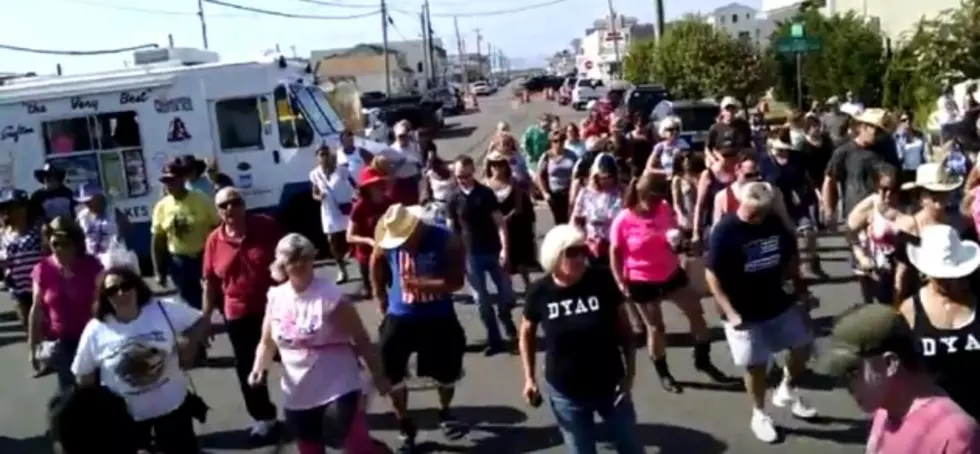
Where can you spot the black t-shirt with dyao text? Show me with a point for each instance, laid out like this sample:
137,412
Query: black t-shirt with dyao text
583,358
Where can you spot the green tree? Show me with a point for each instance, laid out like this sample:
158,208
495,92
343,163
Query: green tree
851,58
694,60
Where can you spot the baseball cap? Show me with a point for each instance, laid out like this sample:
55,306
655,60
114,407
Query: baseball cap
864,332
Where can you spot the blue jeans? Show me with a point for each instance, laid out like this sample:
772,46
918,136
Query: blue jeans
478,266
62,356
576,420
185,271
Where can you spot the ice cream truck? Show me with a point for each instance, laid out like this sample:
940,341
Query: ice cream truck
260,121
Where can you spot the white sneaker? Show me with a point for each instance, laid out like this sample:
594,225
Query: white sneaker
785,396
261,428
762,427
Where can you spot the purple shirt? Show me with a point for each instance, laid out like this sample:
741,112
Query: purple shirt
318,359
67,296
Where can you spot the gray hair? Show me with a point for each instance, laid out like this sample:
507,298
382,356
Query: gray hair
757,194
559,238
671,121
290,247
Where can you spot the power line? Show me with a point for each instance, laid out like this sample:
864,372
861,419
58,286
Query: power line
336,4
287,15
136,9
498,12
77,52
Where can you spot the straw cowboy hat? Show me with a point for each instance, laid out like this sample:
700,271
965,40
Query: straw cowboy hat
934,177
942,254
397,225
879,118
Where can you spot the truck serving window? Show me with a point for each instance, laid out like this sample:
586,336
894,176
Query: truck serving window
103,150
294,130
319,113
239,124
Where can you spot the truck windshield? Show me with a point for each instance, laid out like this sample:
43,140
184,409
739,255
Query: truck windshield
318,111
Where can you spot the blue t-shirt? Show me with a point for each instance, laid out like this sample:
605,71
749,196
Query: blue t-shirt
749,261
429,260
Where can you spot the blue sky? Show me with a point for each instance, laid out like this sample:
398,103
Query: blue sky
526,36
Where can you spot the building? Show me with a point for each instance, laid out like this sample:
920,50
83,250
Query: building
409,54
364,64
742,22
605,43
895,18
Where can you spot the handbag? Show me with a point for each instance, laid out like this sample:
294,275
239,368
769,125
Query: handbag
194,404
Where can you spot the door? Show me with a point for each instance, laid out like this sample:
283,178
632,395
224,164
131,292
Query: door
248,148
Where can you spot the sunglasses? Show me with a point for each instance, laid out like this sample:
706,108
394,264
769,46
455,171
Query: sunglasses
60,244
904,119
576,252
118,289
670,130
753,176
231,203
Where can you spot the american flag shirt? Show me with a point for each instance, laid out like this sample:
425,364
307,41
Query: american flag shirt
19,252
427,261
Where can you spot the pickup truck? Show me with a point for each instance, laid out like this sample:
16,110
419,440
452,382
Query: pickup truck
422,114
587,90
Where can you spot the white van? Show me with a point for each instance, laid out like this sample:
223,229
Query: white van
587,90
261,121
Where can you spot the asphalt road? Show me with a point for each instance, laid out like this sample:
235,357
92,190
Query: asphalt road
703,420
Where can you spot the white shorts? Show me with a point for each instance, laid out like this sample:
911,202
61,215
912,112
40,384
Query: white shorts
756,343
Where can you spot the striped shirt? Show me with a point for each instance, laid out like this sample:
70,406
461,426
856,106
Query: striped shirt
18,255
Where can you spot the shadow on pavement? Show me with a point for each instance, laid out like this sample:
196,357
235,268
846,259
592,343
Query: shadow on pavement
456,133
427,419
849,432
11,339
31,445
218,362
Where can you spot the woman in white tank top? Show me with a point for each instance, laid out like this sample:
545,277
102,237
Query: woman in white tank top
438,188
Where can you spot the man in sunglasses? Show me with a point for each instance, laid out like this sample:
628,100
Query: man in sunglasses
750,254
237,256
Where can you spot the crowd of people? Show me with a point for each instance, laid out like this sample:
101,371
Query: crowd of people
640,217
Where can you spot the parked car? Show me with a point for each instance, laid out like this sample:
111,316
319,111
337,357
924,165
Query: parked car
641,99
450,99
587,90
696,116
481,88
419,112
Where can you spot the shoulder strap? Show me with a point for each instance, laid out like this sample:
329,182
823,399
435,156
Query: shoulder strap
173,331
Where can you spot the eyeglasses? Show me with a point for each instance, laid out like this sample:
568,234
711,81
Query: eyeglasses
576,252
753,176
119,289
231,203
904,119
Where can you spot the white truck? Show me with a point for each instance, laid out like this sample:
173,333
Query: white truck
260,121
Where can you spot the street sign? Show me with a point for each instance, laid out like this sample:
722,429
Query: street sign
614,36
793,45
796,30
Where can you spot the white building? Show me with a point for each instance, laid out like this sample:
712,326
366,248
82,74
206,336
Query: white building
743,22
604,42
894,17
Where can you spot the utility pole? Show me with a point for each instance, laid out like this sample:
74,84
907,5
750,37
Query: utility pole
384,46
479,59
426,70
430,48
204,25
614,32
490,59
658,19
461,52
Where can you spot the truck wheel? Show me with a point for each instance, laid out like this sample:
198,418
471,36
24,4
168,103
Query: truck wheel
301,215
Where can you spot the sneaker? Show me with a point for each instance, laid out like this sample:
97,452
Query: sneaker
785,396
262,431
762,427
341,277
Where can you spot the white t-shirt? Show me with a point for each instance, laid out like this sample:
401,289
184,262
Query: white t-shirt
947,109
136,360
337,190
405,160
354,161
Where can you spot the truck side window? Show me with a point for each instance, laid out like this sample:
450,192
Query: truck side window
239,124
294,130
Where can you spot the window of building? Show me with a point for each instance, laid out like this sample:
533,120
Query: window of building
294,130
734,18
103,150
721,19
239,124
745,36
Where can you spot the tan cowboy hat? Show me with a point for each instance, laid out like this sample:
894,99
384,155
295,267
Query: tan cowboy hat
397,224
879,118
934,177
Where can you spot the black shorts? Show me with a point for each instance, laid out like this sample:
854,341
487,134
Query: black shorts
650,292
438,343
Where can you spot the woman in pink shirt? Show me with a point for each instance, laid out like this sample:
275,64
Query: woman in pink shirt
64,289
644,261
321,339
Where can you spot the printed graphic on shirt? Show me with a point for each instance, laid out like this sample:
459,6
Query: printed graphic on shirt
949,344
409,271
761,254
56,206
572,306
298,327
181,225
139,362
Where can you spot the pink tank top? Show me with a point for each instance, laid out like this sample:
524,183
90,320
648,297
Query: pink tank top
318,360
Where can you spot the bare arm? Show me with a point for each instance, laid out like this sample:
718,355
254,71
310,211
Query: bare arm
527,340
266,350
501,222
829,195
379,278
699,206
158,253
721,298
779,207
653,162
35,318
353,238
191,339
720,207
351,323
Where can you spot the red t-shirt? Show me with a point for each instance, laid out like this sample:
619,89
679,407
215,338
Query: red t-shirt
241,265
363,217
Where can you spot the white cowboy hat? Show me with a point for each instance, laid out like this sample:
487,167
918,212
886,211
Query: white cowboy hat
879,118
934,177
397,224
729,101
942,254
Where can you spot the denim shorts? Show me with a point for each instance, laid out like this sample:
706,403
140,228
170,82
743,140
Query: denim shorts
755,343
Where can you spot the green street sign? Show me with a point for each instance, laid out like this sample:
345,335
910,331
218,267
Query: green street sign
796,30
797,45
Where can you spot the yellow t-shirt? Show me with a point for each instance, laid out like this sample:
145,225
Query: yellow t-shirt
185,222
